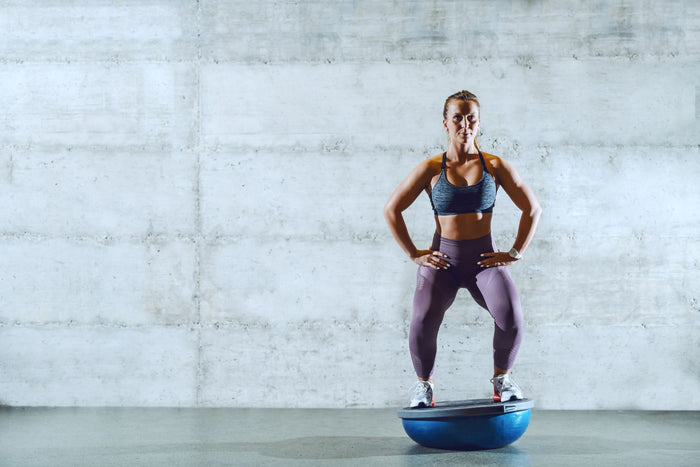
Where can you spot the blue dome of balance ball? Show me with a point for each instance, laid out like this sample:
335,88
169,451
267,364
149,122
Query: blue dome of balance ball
468,425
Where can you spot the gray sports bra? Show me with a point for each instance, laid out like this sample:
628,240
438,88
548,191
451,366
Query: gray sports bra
448,199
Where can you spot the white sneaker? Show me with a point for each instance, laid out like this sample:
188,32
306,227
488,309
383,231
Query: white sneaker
505,389
422,395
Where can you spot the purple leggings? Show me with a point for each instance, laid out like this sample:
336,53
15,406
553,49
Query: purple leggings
492,288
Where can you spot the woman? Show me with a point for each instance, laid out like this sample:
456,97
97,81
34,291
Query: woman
462,184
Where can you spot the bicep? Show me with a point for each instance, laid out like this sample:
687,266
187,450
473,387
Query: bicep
514,186
409,189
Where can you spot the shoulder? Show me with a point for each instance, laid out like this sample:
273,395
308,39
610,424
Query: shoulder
430,166
421,174
434,162
494,162
499,168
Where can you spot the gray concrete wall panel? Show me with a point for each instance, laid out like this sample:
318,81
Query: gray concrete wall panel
192,193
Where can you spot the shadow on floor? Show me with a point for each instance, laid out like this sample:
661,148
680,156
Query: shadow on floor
311,448
334,447
353,447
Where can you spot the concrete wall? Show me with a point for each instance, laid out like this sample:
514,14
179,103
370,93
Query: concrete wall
192,193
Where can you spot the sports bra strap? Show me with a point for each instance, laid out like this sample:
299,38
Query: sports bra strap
483,162
444,160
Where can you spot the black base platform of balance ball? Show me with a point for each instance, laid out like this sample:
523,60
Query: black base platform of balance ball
467,425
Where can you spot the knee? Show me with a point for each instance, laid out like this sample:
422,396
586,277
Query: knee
511,319
516,318
423,330
420,330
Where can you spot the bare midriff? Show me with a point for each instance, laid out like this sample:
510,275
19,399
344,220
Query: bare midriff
464,226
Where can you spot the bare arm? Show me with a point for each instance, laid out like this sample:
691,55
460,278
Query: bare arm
523,197
402,197
525,200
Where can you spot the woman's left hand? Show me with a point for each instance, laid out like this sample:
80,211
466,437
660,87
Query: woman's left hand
499,258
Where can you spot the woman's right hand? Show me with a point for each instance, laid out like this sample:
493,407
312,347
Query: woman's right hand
431,259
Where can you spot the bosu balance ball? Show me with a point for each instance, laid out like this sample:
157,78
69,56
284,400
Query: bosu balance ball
467,425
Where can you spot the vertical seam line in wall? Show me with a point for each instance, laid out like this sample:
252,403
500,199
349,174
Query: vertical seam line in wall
198,211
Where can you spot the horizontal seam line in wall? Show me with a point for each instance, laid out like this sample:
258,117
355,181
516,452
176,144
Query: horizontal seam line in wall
538,60
347,148
213,239
301,326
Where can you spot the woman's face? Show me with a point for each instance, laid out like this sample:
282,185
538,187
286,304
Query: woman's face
462,122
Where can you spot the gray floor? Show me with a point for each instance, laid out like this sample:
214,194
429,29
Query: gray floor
211,437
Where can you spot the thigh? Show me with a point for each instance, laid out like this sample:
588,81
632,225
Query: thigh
495,290
436,290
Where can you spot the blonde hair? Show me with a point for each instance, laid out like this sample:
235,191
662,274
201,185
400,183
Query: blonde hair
465,96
